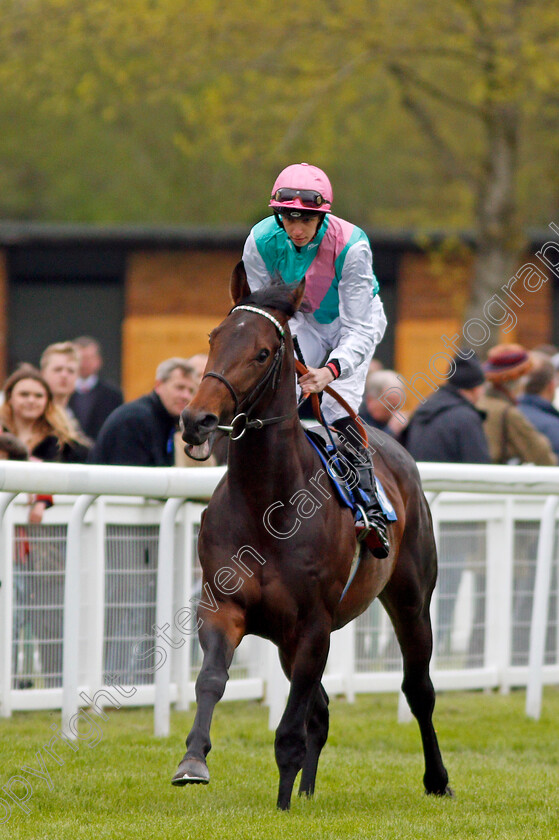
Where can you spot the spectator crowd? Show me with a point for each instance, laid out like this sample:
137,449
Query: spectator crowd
499,411
503,410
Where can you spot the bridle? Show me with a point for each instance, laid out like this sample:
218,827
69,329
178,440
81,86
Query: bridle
241,422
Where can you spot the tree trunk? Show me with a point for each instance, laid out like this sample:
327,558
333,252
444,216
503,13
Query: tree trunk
499,243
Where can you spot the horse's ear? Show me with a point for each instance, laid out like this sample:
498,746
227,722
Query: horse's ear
239,287
299,294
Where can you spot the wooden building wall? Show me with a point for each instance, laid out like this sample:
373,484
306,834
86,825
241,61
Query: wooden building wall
173,292
432,298
172,301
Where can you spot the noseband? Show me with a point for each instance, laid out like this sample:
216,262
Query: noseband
241,422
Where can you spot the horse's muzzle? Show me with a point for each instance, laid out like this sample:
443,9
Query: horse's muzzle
197,426
198,432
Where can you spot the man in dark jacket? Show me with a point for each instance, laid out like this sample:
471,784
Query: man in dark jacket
536,403
140,433
94,398
447,426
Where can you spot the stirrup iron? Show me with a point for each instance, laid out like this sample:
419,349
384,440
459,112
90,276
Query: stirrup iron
364,528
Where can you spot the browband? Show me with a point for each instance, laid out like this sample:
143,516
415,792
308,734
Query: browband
267,315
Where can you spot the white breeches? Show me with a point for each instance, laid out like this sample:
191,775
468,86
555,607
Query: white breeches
317,342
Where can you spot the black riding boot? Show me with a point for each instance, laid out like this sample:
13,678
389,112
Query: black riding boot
361,461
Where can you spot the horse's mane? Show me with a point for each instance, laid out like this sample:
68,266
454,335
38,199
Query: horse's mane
277,296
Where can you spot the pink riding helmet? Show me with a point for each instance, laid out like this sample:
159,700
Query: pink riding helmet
302,186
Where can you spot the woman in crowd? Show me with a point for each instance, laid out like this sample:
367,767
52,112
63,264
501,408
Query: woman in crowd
29,414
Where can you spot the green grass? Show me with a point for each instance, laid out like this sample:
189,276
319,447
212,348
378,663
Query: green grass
503,767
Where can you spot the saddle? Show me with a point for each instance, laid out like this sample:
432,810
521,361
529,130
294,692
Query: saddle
348,496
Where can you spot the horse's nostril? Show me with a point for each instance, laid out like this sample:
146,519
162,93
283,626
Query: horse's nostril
208,422
197,427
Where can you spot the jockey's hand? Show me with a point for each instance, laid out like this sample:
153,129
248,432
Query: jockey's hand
315,380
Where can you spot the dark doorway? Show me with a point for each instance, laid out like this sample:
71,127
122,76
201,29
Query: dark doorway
56,298
386,266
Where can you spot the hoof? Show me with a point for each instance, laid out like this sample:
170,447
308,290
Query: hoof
191,771
446,792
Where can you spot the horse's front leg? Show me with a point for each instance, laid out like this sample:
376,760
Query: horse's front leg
219,636
291,735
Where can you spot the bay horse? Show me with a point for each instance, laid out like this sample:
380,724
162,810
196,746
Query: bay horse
276,547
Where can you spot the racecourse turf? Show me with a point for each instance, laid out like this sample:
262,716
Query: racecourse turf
504,769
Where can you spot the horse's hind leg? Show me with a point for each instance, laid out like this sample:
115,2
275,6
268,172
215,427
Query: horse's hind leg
291,734
218,641
317,734
408,608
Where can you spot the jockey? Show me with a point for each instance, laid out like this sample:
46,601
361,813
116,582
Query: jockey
341,319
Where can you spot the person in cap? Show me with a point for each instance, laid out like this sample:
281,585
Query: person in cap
448,427
512,438
341,320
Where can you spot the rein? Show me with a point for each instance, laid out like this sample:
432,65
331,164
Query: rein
301,368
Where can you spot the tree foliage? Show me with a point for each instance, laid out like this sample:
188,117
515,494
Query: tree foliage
174,111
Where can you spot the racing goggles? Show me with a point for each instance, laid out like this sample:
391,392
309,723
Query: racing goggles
310,198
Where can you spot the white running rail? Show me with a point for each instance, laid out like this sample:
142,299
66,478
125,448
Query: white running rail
116,557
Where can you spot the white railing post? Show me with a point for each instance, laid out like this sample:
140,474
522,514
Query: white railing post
96,581
432,498
164,614
6,605
540,610
72,610
405,714
277,687
498,607
192,514
341,659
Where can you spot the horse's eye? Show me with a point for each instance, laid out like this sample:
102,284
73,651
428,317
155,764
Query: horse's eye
263,355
